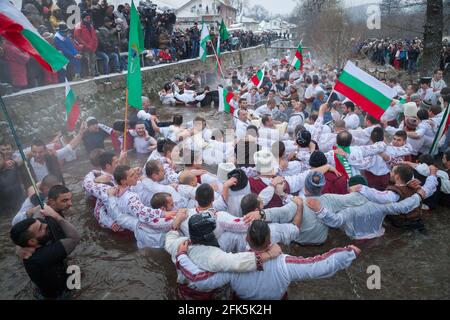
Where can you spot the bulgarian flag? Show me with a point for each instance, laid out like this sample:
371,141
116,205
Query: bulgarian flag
224,101
204,38
370,94
72,108
297,62
308,57
16,28
443,127
342,164
257,79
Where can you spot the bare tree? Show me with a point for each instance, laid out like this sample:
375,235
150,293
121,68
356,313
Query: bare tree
432,37
388,6
240,5
258,12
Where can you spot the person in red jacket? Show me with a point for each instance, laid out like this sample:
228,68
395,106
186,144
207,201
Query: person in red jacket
165,56
334,184
17,64
86,43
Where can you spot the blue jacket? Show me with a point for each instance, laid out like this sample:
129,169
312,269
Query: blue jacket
66,45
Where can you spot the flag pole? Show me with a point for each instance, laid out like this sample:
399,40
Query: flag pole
442,125
126,122
22,155
217,59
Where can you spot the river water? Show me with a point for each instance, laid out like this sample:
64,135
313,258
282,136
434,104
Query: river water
413,265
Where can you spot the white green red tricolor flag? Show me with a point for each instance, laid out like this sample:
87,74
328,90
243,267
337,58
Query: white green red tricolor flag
204,38
16,28
297,62
443,127
366,91
224,101
257,79
308,58
72,108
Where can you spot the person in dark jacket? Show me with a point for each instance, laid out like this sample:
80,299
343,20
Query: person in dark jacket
108,46
50,240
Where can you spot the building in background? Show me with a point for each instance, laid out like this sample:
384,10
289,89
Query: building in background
211,11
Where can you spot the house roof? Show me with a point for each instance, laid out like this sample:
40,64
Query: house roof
185,3
244,19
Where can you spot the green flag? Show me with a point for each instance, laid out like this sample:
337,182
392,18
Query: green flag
203,41
223,32
135,47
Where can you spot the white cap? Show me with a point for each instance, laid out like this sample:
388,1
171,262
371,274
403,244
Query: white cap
223,169
264,162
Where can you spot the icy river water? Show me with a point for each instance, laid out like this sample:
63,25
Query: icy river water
413,265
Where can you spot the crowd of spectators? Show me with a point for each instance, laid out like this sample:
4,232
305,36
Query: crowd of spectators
401,54
98,44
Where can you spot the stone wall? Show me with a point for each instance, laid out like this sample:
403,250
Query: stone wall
41,111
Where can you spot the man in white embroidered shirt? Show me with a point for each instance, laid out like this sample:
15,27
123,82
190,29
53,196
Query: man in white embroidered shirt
273,281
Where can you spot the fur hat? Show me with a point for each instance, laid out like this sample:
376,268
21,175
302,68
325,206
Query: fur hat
411,123
314,183
317,159
264,162
201,229
410,109
223,169
242,179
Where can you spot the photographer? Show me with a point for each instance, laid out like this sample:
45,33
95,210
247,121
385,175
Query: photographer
149,21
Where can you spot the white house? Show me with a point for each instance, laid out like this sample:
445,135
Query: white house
211,11
249,24
278,25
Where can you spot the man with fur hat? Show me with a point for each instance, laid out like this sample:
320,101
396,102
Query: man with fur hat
273,281
274,190
237,192
205,252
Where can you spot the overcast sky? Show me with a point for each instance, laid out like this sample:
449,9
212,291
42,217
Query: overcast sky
286,6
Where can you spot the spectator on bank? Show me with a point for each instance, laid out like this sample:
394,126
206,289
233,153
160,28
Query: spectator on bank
17,64
108,46
64,43
86,41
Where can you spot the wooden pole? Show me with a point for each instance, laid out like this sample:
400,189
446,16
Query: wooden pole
126,122
217,59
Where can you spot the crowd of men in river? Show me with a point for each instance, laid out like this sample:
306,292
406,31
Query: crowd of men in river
302,159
